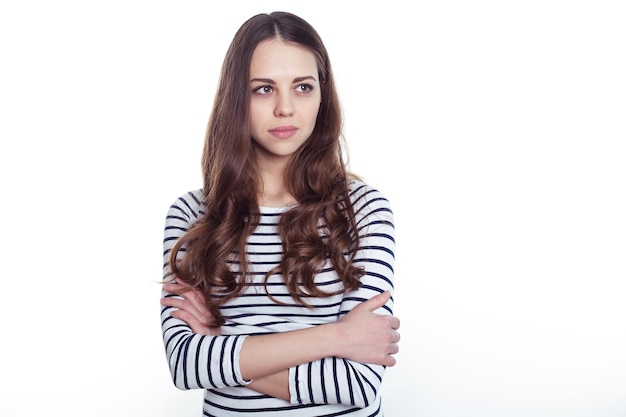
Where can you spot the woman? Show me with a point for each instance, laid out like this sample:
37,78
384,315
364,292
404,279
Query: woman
279,272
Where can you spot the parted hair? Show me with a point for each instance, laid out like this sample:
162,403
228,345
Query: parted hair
321,228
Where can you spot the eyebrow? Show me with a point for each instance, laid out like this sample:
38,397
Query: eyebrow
295,80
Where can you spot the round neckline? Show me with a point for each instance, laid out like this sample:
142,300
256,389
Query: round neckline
269,209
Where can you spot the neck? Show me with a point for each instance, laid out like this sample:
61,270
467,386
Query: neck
274,191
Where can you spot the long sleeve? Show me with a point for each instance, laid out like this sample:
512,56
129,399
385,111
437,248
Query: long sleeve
337,380
195,361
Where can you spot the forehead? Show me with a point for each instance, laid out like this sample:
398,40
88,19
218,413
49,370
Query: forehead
275,58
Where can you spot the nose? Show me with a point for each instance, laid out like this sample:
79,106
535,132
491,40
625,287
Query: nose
284,105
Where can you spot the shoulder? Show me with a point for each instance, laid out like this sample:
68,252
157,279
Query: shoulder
369,201
373,215
362,194
188,207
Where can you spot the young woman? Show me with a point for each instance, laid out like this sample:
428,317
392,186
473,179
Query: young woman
279,272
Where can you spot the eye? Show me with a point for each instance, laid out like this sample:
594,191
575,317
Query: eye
263,90
304,88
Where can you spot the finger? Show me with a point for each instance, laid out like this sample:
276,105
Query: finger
198,324
189,308
197,298
395,337
192,294
389,361
395,322
195,325
375,302
200,307
175,302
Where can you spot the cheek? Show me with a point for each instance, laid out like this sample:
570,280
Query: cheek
312,110
256,117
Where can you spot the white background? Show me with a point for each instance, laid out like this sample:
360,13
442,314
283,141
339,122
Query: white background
496,129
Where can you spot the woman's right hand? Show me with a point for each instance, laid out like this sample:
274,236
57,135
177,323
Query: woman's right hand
368,337
191,308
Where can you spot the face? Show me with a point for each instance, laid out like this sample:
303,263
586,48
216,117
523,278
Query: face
285,99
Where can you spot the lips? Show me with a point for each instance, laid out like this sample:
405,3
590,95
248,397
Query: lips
284,132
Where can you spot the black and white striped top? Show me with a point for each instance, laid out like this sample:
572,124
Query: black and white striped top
327,387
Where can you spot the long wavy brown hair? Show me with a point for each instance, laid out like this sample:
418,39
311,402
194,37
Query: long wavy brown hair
316,176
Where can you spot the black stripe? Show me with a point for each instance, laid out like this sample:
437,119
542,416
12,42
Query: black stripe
297,378
222,357
310,383
350,391
198,349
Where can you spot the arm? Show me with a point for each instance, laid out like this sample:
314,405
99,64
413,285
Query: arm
361,334
208,360
342,378
361,317
195,360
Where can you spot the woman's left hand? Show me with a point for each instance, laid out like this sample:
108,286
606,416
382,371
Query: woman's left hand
191,308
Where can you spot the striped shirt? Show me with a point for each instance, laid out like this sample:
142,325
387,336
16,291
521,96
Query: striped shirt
327,387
